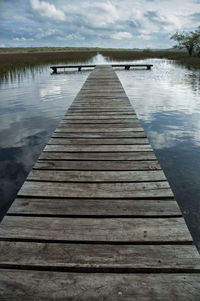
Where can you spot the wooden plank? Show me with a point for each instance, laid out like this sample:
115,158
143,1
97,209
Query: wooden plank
96,190
97,165
23,285
154,258
85,141
98,117
124,122
126,156
127,230
131,134
94,207
101,113
101,110
98,148
97,129
97,176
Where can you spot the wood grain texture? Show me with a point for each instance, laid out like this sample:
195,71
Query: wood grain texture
97,148
119,156
127,230
107,257
130,141
97,165
94,207
97,176
98,190
44,285
107,135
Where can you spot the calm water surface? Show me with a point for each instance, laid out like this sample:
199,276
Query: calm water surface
166,99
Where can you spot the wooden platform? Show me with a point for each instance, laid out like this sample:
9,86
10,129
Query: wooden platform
80,67
96,218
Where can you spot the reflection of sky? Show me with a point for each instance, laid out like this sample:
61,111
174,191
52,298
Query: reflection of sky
171,95
29,111
167,102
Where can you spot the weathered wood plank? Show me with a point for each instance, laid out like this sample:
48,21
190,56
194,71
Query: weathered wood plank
93,207
141,258
99,117
96,190
132,113
132,134
85,141
31,285
97,165
97,176
96,110
127,230
123,122
99,129
98,148
101,126
125,156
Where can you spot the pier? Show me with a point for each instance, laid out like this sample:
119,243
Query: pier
80,67
96,218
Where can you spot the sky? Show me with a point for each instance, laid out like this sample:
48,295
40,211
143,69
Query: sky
90,23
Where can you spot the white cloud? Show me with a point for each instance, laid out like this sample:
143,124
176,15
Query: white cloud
102,23
47,10
121,35
22,39
71,36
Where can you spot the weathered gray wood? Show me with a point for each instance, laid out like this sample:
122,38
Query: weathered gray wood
93,113
132,134
98,148
124,122
99,117
96,110
95,207
97,176
96,190
97,165
98,129
34,285
85,141
125,156
127,230
152,258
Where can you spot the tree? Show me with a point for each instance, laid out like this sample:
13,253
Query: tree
189,41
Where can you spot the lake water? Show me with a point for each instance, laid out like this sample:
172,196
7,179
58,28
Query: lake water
166,99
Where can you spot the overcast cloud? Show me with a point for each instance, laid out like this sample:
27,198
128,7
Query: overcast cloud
102,23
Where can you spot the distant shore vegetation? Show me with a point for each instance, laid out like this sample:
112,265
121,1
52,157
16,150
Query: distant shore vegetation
18,59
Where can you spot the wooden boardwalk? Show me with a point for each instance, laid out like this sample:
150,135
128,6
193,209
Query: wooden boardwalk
96,218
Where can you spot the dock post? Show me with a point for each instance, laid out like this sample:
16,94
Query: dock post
54,70
148,67
79,68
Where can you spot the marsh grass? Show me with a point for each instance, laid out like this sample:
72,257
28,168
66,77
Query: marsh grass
179,57
15,63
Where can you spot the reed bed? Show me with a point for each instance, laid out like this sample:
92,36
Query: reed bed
180,57
13,63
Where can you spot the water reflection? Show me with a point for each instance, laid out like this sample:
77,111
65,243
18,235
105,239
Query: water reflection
166,100
30,111
169,110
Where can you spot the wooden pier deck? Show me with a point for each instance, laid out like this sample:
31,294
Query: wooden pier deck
80,67
96,218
